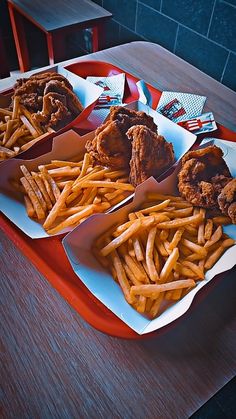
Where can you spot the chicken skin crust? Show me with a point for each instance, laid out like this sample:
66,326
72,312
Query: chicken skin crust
203,175
54,112
31,90
110,145
50,99
151,154
227,200
130,117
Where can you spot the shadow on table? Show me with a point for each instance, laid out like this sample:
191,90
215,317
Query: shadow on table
203,326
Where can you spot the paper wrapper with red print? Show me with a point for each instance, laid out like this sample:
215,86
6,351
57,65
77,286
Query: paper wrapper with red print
180,106
113,89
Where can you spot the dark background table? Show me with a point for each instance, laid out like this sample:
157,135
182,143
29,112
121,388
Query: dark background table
55,19
55,365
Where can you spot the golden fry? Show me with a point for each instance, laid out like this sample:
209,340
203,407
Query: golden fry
163,235
194,247
156,305
6,153
208,229
72,219
153,290
121,276
135,268
180,213
122,238
16,102
215,237
34,186
33,198
169,265
29,207
157,207
149,255
176,238
106,184
181,222
141,304
43,190
131,276
201,228
14,137
218,252
195,268
57,206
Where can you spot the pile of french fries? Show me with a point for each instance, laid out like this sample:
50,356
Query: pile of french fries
62,194
161,251
18,131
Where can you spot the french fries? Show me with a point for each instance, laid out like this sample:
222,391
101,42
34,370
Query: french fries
63,194
161,252
18,131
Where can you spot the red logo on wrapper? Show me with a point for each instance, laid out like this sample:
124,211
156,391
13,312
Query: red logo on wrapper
173,109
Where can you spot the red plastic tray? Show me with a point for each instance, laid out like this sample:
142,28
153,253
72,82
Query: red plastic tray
102,69
48,255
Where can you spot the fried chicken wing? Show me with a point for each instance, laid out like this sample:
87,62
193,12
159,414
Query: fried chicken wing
151,154
60,87
50,99
54,112
31,90
111,146
203,175
227,200
130,117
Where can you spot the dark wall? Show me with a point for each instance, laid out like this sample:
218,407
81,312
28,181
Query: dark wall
202,32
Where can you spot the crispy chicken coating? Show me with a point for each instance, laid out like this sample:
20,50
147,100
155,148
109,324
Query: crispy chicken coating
50,99
54,112
203,175
72,102
111,146
227,200
31,90
151,154
130,117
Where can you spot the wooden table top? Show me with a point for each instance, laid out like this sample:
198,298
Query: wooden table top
52,15
55,365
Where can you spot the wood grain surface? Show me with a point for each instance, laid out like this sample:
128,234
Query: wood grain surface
52,15
165,71
54,365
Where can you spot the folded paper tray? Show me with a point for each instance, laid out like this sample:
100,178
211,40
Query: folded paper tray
48,255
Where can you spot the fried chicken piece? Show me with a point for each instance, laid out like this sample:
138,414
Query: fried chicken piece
50,98
54,112
110,146
227,200
31,90
203,175
130,117
32,101
151,154
42,79
72,101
